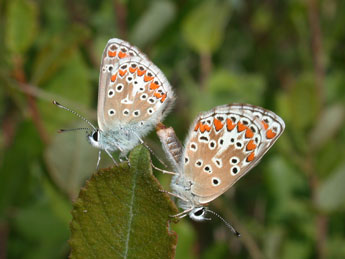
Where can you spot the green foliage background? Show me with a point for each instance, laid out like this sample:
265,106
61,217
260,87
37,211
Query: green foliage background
287,56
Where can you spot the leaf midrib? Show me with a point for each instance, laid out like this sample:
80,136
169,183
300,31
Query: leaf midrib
130,213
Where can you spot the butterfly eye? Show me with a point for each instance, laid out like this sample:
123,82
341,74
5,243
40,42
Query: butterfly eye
95,136
198,213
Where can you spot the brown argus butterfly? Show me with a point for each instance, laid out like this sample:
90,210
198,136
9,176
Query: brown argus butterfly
133,96
221,147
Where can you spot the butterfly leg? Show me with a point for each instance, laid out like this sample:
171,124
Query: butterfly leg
110,156
99,159
161,170
125,159
183,213
175,195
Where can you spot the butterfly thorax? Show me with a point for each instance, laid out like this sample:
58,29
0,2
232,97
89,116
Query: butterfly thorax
122,138
182,187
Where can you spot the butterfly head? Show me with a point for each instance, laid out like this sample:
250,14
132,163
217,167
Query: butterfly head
94,138
198,214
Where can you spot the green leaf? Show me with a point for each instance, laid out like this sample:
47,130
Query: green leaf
72,83
121,213
15,169
227,87
331,194
21,25
56,53
153,22
186,237
204,27
330,122
70,160
304,104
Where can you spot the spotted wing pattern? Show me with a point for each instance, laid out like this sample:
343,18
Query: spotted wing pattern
224,144
131,88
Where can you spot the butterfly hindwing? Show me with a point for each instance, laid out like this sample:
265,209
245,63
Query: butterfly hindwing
224,144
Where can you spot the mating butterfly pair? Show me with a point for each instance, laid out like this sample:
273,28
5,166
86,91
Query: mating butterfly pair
221,147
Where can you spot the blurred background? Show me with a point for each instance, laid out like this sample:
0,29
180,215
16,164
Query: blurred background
286,56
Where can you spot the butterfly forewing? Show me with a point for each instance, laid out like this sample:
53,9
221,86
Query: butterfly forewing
224,144
132,89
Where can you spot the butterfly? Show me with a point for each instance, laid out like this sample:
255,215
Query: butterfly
133,96
222,146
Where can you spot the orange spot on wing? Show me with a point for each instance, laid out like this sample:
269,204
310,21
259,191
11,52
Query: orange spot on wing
208,128
250,157
163,97
197,126
157,95
250,145
122,72
270,134
153,86
147,78
249,133
230,125
241,127
140,72
122,54
204,127
218,124
265,125
132,70
112,54
113,78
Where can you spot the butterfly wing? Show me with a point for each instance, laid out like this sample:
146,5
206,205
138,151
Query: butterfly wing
224,144
132,90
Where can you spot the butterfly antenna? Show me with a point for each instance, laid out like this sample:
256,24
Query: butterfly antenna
233,230
65,130
75,113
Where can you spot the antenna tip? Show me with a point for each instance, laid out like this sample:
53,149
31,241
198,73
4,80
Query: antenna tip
61,130
237,234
